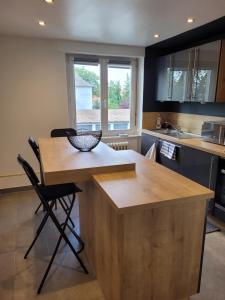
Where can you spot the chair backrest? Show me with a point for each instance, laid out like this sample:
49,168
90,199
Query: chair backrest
34,147
29,171
61,132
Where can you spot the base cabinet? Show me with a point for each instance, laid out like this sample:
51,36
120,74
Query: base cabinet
194,164
146,142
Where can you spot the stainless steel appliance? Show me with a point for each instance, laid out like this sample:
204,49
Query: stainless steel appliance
214,132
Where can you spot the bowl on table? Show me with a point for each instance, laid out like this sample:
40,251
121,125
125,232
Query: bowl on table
85,141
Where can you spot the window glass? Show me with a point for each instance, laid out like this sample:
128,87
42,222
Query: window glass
119,97
87,92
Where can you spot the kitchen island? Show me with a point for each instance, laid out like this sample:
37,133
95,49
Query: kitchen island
142,223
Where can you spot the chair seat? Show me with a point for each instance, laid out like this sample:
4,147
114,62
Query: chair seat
51,192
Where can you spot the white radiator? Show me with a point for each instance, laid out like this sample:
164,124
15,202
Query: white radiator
118,145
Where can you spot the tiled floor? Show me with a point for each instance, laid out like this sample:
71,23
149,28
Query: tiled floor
19,278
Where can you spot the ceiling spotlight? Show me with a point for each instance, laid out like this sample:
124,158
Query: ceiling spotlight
190,20
41,23
49,1
156,35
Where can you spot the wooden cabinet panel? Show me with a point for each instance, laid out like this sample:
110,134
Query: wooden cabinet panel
220,95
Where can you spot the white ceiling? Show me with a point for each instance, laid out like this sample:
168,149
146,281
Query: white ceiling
128,22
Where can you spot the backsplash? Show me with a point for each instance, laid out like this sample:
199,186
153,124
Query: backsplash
186,122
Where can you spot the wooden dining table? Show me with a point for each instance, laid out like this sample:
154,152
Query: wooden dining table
142,224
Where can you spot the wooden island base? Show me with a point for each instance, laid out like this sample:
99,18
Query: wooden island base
150,254
142,223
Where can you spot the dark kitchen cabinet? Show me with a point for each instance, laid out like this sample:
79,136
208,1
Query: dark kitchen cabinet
164,78
194,164
220,185
147,141
220,94
199,166
181,75
173,76
191,75
174,165
205,72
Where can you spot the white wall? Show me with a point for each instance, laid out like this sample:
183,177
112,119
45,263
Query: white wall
33,94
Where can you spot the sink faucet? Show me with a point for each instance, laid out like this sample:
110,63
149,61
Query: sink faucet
177,128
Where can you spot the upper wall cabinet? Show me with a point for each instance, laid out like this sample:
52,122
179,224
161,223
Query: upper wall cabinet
181,75
220,94
164,76
189,75
205,72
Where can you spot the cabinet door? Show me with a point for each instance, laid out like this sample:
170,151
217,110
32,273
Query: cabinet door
164,78
199,166
146,142
194,164
205,72
220,94
181,79
174,165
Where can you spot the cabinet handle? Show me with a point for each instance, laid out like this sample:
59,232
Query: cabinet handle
170,87
177,146
196,61
188,87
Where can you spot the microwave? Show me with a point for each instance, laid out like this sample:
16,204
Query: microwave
214,132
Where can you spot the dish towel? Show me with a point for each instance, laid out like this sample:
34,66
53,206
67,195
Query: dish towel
168,150
151,154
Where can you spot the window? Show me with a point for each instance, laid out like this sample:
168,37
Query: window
102,94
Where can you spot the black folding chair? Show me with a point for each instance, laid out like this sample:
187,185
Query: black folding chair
61,132
48,196
35,148
36,151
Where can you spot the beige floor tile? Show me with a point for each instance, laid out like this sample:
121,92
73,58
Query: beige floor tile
20,278
7,272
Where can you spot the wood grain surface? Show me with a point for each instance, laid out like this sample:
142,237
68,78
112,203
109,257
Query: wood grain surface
62,163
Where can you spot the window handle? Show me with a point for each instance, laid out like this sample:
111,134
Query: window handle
104,103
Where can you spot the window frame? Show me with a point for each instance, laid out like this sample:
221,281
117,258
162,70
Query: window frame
103,62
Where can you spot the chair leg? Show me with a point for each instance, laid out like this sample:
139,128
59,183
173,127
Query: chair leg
62,236
65,203
55,221
41,226
37,235
78,238
65,210
37,209
50,263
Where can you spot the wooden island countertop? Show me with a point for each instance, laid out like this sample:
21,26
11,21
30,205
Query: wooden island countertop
150,185
62,163
142,224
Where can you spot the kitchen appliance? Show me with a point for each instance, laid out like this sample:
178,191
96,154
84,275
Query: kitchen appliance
214,132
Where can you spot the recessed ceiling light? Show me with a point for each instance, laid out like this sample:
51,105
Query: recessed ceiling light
41,23
190,20
49,1
156,35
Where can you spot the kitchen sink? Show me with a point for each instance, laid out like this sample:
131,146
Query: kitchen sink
177,134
